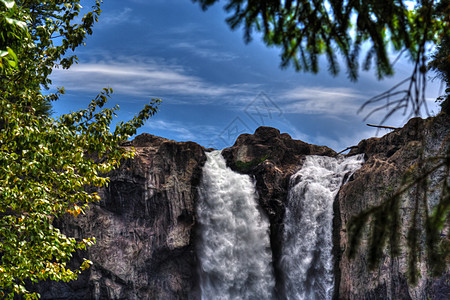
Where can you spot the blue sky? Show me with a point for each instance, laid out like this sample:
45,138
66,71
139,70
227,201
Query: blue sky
213,85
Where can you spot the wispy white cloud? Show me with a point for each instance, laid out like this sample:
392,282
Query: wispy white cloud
296,134
142,77
117,17
175,128
205,50
344,140
322,100
182,131
322,93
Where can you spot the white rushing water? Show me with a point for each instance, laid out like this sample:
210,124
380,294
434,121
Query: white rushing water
234,251
307,261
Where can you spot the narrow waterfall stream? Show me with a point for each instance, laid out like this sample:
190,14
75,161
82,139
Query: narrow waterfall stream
307,261
234,251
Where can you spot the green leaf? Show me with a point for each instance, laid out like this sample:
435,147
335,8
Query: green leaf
18,23
8,3
12,53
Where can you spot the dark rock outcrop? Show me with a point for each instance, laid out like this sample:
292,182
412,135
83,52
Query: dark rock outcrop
271,157
144,227
388,159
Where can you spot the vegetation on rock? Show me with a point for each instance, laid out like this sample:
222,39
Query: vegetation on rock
244,166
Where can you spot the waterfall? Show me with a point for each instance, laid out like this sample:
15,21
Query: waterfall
307,261
234,250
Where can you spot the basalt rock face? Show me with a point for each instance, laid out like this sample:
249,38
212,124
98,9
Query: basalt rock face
271,158
144,228
388,159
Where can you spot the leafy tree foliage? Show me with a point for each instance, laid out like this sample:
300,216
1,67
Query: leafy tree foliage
306,30
52,33
46,164
441,65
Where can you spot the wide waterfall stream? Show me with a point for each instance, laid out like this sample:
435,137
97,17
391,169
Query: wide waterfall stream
234,248
234,252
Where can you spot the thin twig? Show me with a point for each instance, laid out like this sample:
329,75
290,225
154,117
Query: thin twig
381,126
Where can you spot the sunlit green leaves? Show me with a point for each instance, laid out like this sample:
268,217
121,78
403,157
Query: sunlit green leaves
45,167
48,167
9,4
13,29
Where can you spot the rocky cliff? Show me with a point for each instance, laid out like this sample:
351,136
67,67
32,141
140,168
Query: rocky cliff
389,159
144,227
145,222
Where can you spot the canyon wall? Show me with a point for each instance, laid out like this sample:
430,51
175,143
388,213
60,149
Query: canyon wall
145,224
389,158
144,228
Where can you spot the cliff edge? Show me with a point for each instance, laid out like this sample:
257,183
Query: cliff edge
143,225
